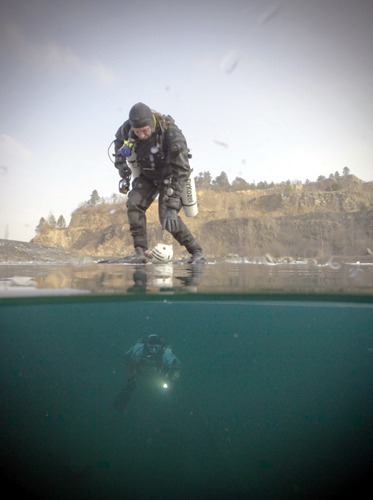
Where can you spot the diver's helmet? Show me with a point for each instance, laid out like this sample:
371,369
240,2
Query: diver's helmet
162,253
154,344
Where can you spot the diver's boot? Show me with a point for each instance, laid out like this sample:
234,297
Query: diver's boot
137,258
197,257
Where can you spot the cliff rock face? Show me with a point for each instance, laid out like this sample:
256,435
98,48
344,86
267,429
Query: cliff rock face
299,220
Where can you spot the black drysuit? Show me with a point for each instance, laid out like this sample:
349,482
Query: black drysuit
164,164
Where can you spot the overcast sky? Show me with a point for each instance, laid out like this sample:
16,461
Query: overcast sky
264,90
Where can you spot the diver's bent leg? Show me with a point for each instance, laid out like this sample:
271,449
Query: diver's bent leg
186,238
183,236
139,200
137,222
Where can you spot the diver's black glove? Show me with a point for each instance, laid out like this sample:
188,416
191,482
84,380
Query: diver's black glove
170,221
123,169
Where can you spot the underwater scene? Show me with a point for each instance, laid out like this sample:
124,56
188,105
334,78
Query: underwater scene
272,397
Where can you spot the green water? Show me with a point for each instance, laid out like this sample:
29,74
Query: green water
274,399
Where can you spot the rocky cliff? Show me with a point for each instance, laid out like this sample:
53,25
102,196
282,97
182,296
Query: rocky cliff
301,220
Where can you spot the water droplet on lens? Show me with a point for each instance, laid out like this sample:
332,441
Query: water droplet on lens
229,62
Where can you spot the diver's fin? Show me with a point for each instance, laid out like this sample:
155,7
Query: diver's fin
139,257
119,260
124,396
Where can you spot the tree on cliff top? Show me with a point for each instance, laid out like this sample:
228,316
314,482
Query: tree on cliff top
61,223
51,220
43,226
95,198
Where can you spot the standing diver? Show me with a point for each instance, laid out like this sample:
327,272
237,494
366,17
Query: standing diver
147,357
162,158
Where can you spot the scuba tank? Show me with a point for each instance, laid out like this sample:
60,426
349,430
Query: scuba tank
189,198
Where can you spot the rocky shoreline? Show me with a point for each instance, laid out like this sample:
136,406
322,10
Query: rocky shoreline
21,252
13,252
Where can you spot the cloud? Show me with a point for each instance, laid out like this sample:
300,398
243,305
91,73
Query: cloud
102,72
55,57
11,149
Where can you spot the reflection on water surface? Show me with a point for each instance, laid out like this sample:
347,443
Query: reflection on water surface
228,277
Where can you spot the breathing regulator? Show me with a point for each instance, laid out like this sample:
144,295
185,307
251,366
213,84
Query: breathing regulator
128,148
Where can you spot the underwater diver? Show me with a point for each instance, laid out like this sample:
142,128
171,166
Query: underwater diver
148,357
